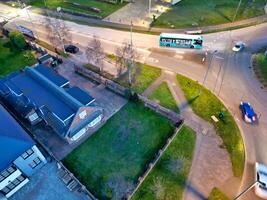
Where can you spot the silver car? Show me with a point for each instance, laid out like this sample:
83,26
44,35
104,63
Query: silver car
261,179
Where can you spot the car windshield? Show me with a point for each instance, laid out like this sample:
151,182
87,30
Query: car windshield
249,110
237,46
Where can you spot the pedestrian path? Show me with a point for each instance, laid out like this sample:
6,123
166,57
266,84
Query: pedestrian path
138,13
211,166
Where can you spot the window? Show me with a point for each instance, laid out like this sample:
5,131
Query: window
27,154
5,173
11,170
6,190
35,162
13,184
1,178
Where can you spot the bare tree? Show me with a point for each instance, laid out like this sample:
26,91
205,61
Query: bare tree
95,52
57,32
126,57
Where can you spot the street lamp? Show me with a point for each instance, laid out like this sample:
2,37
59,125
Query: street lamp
249,188
207,72
149,6
238,6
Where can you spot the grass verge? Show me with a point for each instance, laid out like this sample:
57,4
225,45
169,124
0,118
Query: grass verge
168,178
112,159
12,60
206,105
216,194
164,97
261,66
191,13
143,76
105,7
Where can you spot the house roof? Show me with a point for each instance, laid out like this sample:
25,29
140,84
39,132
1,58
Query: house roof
13,139
41,95
81,95
52,76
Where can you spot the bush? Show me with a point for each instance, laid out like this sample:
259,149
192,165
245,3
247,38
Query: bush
17,40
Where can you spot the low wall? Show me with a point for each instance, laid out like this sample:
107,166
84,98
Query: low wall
125,92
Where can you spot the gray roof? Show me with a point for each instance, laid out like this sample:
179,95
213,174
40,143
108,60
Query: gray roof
42,86
81,95
14,141
52,76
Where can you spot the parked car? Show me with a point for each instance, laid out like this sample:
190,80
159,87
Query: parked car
248,113
71,49
261,179
238,46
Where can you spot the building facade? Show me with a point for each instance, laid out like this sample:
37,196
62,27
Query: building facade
20,156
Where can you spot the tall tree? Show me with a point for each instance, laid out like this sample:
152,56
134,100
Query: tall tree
95,52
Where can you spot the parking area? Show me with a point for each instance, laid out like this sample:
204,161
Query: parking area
46,184
109,101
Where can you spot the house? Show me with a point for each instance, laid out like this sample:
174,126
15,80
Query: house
20,157
39,93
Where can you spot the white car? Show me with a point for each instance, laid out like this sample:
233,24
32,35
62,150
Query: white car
238,46
261,178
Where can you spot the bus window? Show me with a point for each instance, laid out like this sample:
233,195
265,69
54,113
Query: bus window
198,42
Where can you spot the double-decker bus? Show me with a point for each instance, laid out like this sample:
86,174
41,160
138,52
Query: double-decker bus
180,40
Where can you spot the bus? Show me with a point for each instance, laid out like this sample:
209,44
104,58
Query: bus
180,40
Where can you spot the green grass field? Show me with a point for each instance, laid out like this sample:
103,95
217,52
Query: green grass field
164,97
168,178
143,76
112,159
216,194
206,105
195,13
106,8
12,59
261,64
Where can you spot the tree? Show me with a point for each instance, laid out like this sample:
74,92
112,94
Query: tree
17,40
95,52
58,33
126,57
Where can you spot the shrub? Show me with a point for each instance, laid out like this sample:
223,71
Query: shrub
17,40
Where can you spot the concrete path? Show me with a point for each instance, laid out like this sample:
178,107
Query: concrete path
138,13
211,166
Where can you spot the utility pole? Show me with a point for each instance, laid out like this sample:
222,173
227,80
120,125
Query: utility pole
247,189
238,6
149,6
207,72
131,54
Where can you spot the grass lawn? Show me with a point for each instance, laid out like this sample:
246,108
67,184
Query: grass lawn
168,178
164,97
12,60
143,76
216,194
106,8
206,105
112,159
208,12
261,65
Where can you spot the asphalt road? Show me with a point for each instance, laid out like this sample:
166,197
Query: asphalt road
229,77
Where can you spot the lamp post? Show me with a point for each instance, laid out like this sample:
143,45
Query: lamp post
149,6
207,72
247,189
238,6
131,53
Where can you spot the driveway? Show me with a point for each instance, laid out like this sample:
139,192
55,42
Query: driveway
46,185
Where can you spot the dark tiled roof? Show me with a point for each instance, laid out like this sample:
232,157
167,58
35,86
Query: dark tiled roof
52,76
81,95
13,139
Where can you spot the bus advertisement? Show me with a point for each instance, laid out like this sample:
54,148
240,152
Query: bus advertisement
181,40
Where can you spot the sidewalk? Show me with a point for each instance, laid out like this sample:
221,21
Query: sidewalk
138,13
138,28
211,165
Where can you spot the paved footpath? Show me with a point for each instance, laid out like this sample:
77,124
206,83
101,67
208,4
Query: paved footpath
211,166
